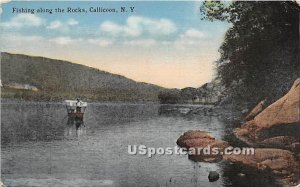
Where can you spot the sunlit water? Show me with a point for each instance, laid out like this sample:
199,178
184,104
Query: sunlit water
41,147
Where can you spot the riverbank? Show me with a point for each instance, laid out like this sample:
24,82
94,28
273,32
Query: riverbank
272,130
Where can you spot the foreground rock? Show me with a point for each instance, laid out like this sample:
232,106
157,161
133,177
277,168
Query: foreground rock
204,142
199,138
278,124
213,176
281,163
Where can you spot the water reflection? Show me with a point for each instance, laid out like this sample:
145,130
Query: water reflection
75,124
25,122
40,146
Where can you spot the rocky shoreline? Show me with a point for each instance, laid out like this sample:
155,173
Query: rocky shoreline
274,132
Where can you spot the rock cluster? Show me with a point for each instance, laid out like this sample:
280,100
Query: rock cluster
276,129
276,126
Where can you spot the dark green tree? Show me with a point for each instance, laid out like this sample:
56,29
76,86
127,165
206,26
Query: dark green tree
260,52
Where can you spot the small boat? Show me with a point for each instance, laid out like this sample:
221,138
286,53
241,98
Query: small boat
75,108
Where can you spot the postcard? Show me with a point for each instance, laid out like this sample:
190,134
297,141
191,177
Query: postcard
150,93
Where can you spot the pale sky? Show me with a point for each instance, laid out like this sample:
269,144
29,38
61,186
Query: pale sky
163,43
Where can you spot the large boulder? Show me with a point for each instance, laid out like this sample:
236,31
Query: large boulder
280,119
197,138
277,126
201,140
283,111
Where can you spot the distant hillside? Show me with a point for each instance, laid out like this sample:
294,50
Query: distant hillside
57,79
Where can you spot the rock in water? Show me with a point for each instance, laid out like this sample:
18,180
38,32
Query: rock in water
197,138
213,176
201,139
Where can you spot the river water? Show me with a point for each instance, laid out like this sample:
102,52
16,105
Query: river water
42,147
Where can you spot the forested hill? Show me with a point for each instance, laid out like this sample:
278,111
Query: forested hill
260,52
57,79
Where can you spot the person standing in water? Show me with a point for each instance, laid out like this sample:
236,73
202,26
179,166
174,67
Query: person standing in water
78,108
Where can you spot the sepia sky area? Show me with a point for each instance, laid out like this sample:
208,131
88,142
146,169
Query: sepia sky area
164,43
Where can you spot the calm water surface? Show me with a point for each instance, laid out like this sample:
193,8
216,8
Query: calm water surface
41,147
